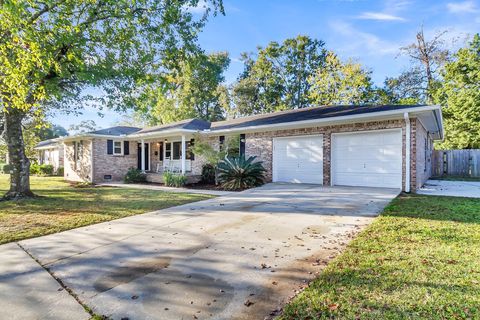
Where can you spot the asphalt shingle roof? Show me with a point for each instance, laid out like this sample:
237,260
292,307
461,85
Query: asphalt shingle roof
311,113
116,131
189,124
47,143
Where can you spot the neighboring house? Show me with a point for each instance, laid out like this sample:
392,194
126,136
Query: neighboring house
376,146
51,152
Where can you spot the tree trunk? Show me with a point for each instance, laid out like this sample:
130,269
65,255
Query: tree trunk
20,164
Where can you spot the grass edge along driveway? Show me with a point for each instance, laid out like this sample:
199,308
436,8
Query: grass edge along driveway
62,207
420,259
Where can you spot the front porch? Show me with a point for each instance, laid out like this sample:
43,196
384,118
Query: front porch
161,154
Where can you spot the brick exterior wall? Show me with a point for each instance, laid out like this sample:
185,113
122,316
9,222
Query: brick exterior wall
115,166
260,144
80,170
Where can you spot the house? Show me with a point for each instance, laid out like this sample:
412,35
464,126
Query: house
51,152
377,146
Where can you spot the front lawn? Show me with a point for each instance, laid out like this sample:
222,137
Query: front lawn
62,207
419,260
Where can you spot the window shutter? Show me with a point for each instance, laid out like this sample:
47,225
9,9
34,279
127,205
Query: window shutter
109,146
192,155
161,151
126,148
242,145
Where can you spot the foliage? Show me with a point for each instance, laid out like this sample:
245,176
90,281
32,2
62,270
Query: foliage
135,175
61,206
238,173
194,91
407,88
49,131
203,148
427,58
41,169
276,78
460,94
172,179
83,126
60,171
51,51
340,83
208,174
418,260
5,168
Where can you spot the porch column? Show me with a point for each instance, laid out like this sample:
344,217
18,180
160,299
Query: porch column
142,156
183,154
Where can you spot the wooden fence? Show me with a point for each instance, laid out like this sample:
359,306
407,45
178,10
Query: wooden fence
464,163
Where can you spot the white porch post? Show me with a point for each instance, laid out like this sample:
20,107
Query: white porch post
142,156
183,154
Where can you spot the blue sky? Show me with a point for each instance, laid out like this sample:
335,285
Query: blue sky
370,32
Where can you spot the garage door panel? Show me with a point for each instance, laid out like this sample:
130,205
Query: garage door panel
298,159
367,159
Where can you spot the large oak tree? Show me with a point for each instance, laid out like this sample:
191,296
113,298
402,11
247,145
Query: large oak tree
50,50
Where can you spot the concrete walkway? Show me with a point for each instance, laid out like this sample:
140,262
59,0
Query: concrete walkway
451,188
239,256
163,188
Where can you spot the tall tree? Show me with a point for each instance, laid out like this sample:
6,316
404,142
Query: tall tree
427,57
51,49
460,96
195,90
276,77
340,83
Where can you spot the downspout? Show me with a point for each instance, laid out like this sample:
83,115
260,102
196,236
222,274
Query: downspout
407,152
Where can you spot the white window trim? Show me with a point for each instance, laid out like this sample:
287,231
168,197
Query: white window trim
121,148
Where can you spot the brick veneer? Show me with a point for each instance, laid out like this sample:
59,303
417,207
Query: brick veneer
108,164
260,144
82,170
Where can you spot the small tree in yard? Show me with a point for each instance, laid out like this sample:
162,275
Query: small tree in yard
50,50
207,151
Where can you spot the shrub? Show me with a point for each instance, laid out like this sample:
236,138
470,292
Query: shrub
5,168
208,174
41,169
239,173
135,175
60,171
174,179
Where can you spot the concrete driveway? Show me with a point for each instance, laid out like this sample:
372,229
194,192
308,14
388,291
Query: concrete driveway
239,256
451,188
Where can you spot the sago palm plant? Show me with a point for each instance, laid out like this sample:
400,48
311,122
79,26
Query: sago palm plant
238,173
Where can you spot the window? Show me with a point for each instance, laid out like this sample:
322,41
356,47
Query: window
168,151
117,148
177,150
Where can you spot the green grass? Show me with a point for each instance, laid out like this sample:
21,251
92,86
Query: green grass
419,260
62,207
456,178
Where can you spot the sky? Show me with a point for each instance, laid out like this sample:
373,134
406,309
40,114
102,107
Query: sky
370,32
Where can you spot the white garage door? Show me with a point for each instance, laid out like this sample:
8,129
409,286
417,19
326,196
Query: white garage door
371,159
298,159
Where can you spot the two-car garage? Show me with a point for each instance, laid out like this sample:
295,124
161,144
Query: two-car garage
369,158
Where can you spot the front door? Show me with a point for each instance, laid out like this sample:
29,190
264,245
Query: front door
139,157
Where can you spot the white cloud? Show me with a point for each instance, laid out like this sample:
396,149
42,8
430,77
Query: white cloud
356,43
462,7
200,8
379,16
